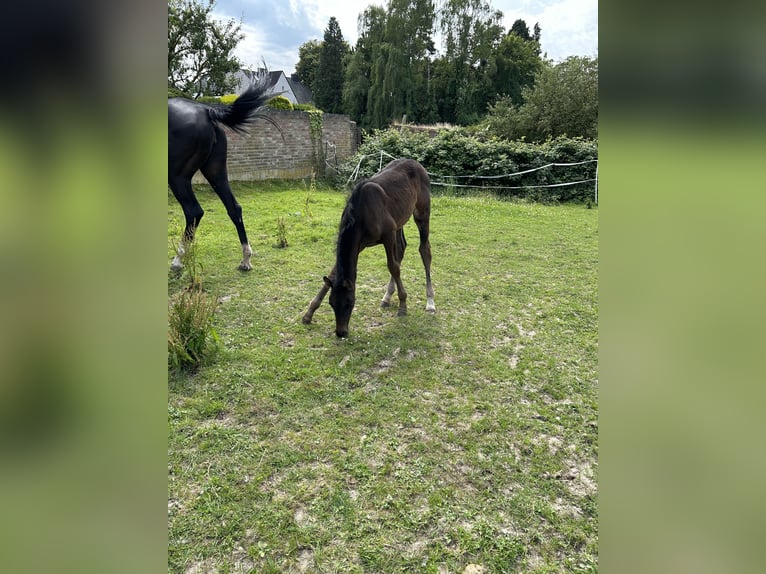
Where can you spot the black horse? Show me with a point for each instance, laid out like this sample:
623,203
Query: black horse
375,214
196,141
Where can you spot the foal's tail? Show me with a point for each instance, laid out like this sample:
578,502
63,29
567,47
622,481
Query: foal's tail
246,108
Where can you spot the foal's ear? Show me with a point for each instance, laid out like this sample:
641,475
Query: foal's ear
327,281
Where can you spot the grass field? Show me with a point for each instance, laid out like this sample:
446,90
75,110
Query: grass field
426,443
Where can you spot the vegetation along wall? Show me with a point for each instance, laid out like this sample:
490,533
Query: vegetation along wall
307,142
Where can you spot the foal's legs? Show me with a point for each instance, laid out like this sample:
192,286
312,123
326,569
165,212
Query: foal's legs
394,257
193,212
422,221
401,245
215,172
317,300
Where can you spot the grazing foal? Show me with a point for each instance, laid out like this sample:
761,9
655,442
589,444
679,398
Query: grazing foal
375,214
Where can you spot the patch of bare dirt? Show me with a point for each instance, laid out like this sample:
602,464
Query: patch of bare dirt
301,517
562,507
207,566
305,559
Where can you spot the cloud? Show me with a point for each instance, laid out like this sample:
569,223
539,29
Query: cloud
569,27
275,29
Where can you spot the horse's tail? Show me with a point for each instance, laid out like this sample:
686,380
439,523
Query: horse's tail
245,109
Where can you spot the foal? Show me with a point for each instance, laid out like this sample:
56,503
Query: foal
375,214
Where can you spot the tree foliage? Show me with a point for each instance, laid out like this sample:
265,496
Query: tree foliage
308,63
562,102
516,61
200,60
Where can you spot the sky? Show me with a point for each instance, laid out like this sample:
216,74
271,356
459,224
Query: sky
275,29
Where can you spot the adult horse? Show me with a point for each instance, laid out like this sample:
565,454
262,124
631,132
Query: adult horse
375,214
196,141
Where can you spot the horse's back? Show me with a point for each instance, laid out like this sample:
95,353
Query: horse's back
191,135
406,178
403,172
409,167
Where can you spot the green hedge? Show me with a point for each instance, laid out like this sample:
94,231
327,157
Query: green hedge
455,156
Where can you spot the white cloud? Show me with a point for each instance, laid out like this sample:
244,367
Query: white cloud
275,29
569,27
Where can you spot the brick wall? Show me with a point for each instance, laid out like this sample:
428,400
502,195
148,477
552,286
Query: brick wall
264,153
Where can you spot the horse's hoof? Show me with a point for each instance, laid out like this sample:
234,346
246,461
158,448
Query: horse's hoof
431,310
306,320
385,304
245,267
401,312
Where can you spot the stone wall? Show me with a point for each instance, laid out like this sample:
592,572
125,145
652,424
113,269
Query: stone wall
264,153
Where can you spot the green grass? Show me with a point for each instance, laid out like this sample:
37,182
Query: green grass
419,444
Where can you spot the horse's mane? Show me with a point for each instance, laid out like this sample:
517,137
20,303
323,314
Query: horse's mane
347,222
348,218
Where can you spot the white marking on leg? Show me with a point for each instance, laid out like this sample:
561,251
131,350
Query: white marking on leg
430,306
177,264
389,293
247,252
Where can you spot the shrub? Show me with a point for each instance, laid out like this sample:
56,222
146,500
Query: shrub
280,103
459,157
228,98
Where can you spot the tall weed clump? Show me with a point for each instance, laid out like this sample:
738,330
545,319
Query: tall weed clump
192,340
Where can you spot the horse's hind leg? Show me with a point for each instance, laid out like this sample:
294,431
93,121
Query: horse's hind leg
394,256
425,255
193,212
401,245
317,300
215,172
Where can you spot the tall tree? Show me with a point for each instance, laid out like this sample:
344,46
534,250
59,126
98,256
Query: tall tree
400,74
472,31
516,63
308,63
200,59
520,28
328,92
356,87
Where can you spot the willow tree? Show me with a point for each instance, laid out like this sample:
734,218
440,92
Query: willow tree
356,88
400,70
472,31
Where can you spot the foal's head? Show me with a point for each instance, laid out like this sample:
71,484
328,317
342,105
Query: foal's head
342,299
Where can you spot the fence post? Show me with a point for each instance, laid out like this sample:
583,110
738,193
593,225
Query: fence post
596,190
